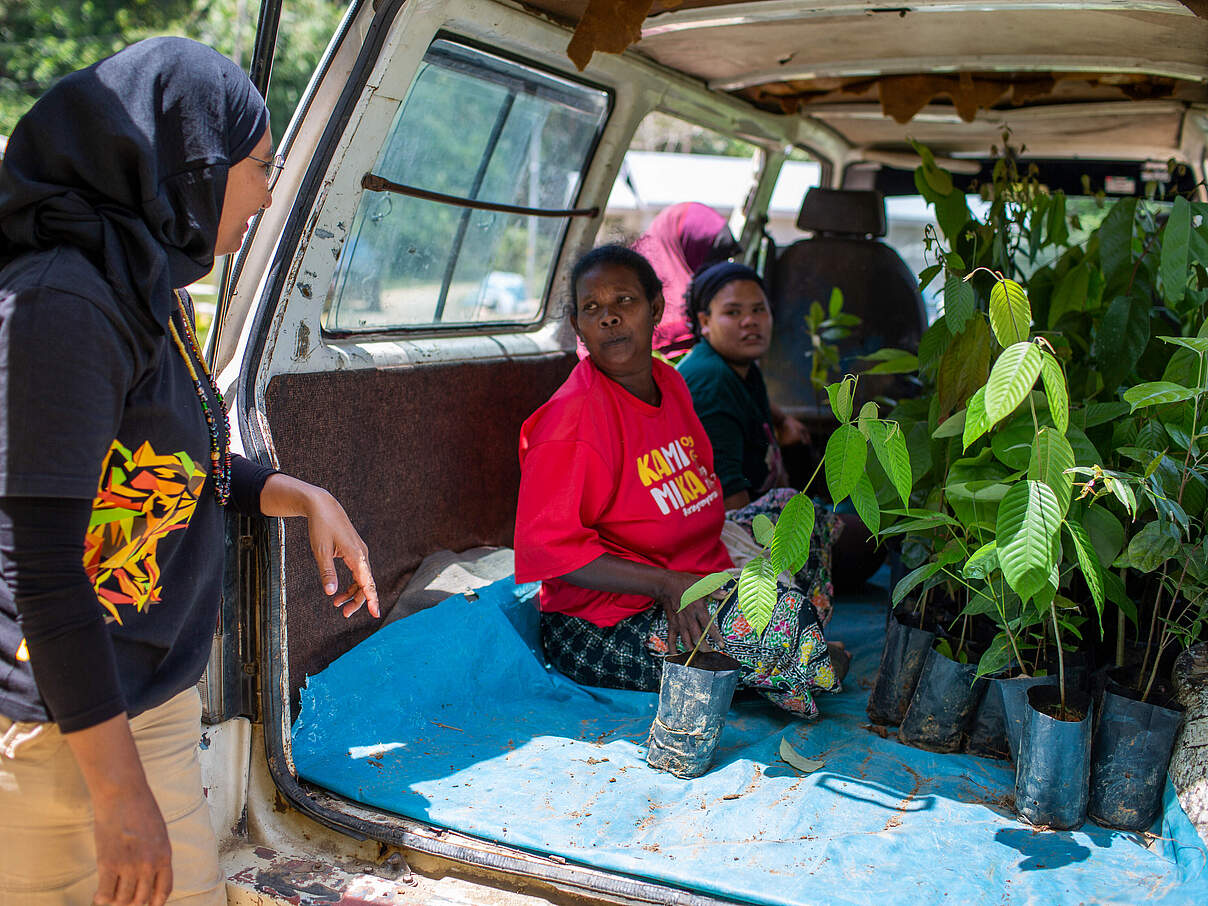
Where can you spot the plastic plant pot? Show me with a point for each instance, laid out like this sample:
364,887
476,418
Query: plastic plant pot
988,732
1014,693
693,702
902,661
944,702
1052,775
1130,754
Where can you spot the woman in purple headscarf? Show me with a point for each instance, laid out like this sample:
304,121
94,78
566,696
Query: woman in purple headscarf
680,241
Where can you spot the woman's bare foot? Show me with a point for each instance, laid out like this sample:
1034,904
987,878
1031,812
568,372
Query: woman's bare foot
840,659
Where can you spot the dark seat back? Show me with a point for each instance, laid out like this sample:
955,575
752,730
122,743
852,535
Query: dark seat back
845,252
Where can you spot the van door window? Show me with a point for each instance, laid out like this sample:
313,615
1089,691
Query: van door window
429,244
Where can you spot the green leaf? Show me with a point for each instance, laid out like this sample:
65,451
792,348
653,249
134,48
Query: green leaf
1010,312
790,547
953,426
1156,393
1175,238
889,444
927,274
996,657
1088,562
937,178
1028,520
868,413
1056,390
964,365
959,302
1012,443
1115,243
840,394
1124,494
1011,379
1121,337
912,580
1051,457
1195,344
757,593
983,562
1113,585
834,305
1101,413
762,528
1156,543
976,423
844,459
1058,229
703,587
933,344
1105,531
892,361
1070,294
864,499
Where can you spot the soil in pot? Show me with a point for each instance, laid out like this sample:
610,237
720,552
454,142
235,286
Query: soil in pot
1013,693
1131,751
988,731
693,701
1052,775
943,704
902,660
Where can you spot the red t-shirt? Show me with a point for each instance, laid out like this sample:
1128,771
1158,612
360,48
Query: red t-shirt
602,472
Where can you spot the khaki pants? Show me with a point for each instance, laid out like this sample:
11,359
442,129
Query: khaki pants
47,851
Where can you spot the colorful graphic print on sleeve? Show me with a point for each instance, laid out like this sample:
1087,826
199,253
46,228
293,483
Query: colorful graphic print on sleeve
141,498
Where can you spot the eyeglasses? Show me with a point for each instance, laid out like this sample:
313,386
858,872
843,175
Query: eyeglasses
272,168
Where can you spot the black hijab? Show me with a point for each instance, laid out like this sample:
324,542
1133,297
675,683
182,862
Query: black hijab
127,161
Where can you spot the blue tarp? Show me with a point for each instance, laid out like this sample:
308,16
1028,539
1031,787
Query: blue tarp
450,717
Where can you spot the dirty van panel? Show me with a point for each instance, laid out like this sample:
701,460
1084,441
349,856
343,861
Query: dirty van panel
425,459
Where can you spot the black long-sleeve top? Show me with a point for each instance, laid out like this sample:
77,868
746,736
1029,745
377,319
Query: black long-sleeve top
111,536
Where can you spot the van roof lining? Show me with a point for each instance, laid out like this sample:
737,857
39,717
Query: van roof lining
902,61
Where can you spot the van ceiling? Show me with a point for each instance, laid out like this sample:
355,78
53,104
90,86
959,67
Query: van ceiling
1111,78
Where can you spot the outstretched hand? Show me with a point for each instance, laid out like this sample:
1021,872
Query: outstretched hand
332,537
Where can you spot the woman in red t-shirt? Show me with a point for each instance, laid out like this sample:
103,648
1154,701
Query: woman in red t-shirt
620,511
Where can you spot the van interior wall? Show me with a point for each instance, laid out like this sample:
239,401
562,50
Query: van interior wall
422,458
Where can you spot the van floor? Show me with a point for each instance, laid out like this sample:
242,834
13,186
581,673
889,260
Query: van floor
449,717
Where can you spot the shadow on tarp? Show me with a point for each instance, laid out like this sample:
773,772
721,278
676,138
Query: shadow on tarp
449,717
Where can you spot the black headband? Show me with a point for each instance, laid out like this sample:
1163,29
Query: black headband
709,282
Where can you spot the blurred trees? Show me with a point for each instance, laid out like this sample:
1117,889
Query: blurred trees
41,40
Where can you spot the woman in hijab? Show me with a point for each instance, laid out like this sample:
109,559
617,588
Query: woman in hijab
119,187
680,241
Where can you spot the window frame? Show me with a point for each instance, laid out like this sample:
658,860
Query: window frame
502,325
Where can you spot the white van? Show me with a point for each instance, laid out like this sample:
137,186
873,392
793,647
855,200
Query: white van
445,146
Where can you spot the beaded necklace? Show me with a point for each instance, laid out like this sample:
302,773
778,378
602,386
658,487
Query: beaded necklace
220,427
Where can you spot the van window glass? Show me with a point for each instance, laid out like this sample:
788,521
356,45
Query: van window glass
475,130
671,161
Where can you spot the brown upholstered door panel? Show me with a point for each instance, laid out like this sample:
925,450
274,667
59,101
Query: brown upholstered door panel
422,458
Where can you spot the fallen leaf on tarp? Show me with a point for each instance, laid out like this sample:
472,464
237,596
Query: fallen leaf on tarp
793,757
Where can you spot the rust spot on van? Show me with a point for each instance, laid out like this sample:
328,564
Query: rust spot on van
302,348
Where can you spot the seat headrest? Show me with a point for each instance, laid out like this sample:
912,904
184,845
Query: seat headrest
849,212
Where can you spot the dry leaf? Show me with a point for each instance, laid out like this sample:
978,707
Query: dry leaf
793,757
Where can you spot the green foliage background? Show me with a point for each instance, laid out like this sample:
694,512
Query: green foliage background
42,40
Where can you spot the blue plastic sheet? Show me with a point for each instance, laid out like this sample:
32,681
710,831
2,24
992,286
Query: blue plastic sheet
450,717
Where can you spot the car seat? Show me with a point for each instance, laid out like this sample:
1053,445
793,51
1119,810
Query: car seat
845,251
